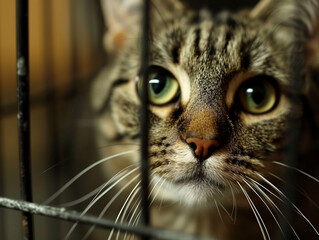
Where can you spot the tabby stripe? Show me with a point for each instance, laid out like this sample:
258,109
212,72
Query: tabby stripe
195,18
232,24
177,113
244,55
212,50
228,37
196,42
115,84
175,53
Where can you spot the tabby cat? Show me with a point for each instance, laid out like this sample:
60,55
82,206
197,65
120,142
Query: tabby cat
228,95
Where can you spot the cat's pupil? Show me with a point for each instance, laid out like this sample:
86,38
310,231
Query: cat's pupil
256,94
163,87
158,83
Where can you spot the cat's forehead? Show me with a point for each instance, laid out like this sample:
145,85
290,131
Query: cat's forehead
215,47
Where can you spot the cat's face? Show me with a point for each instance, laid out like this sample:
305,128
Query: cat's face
221,99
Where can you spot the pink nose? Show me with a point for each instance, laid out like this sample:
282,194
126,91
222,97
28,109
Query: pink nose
202,148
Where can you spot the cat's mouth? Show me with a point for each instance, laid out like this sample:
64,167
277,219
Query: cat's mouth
197,188
200,178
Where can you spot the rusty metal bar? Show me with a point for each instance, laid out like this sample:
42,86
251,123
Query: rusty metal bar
2,183
22,8
73,216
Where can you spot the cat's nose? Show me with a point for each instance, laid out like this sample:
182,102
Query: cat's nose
202,148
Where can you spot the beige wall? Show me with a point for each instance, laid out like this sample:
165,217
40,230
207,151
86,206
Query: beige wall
51,45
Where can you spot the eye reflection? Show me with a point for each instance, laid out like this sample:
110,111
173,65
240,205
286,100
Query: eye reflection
162,86
258,95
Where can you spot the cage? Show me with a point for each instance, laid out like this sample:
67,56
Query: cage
65,54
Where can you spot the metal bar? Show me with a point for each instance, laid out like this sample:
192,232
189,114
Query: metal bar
22,8
73,216
291,153
52,115
2,179
144,115
2,161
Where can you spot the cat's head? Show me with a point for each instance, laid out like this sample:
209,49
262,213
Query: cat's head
222,89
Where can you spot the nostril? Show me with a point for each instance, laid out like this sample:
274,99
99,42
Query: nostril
201,147
193,146
211,149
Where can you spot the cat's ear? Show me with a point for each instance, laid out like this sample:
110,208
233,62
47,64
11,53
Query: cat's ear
123,19
293,21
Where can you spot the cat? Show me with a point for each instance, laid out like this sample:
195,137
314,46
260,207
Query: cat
227,92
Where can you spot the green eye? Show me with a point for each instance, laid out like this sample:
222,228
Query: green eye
258,95
163,88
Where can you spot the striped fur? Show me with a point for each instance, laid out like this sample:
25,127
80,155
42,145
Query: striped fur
211,56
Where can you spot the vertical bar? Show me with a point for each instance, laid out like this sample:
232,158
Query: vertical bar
291,152
22,8
51,110
2,179
144,115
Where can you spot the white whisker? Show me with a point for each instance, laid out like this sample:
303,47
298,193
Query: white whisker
298,170
97,190
134,208
225,210
83,198
69,183
134,212
137,206
110,203
117,236
122,210
257,184
220,216
131,198
233,213
134,223
137,220
97,198
157,183
299,189
264,204
234,209
256,213
116,177
295,207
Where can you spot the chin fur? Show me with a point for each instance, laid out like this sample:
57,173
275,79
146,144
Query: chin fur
197,195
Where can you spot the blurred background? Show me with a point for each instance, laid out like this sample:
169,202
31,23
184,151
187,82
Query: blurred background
65,54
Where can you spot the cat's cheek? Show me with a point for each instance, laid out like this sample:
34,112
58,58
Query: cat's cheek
107,127
126,119
125,110
164,112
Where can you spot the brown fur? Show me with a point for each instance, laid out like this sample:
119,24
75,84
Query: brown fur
211,56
